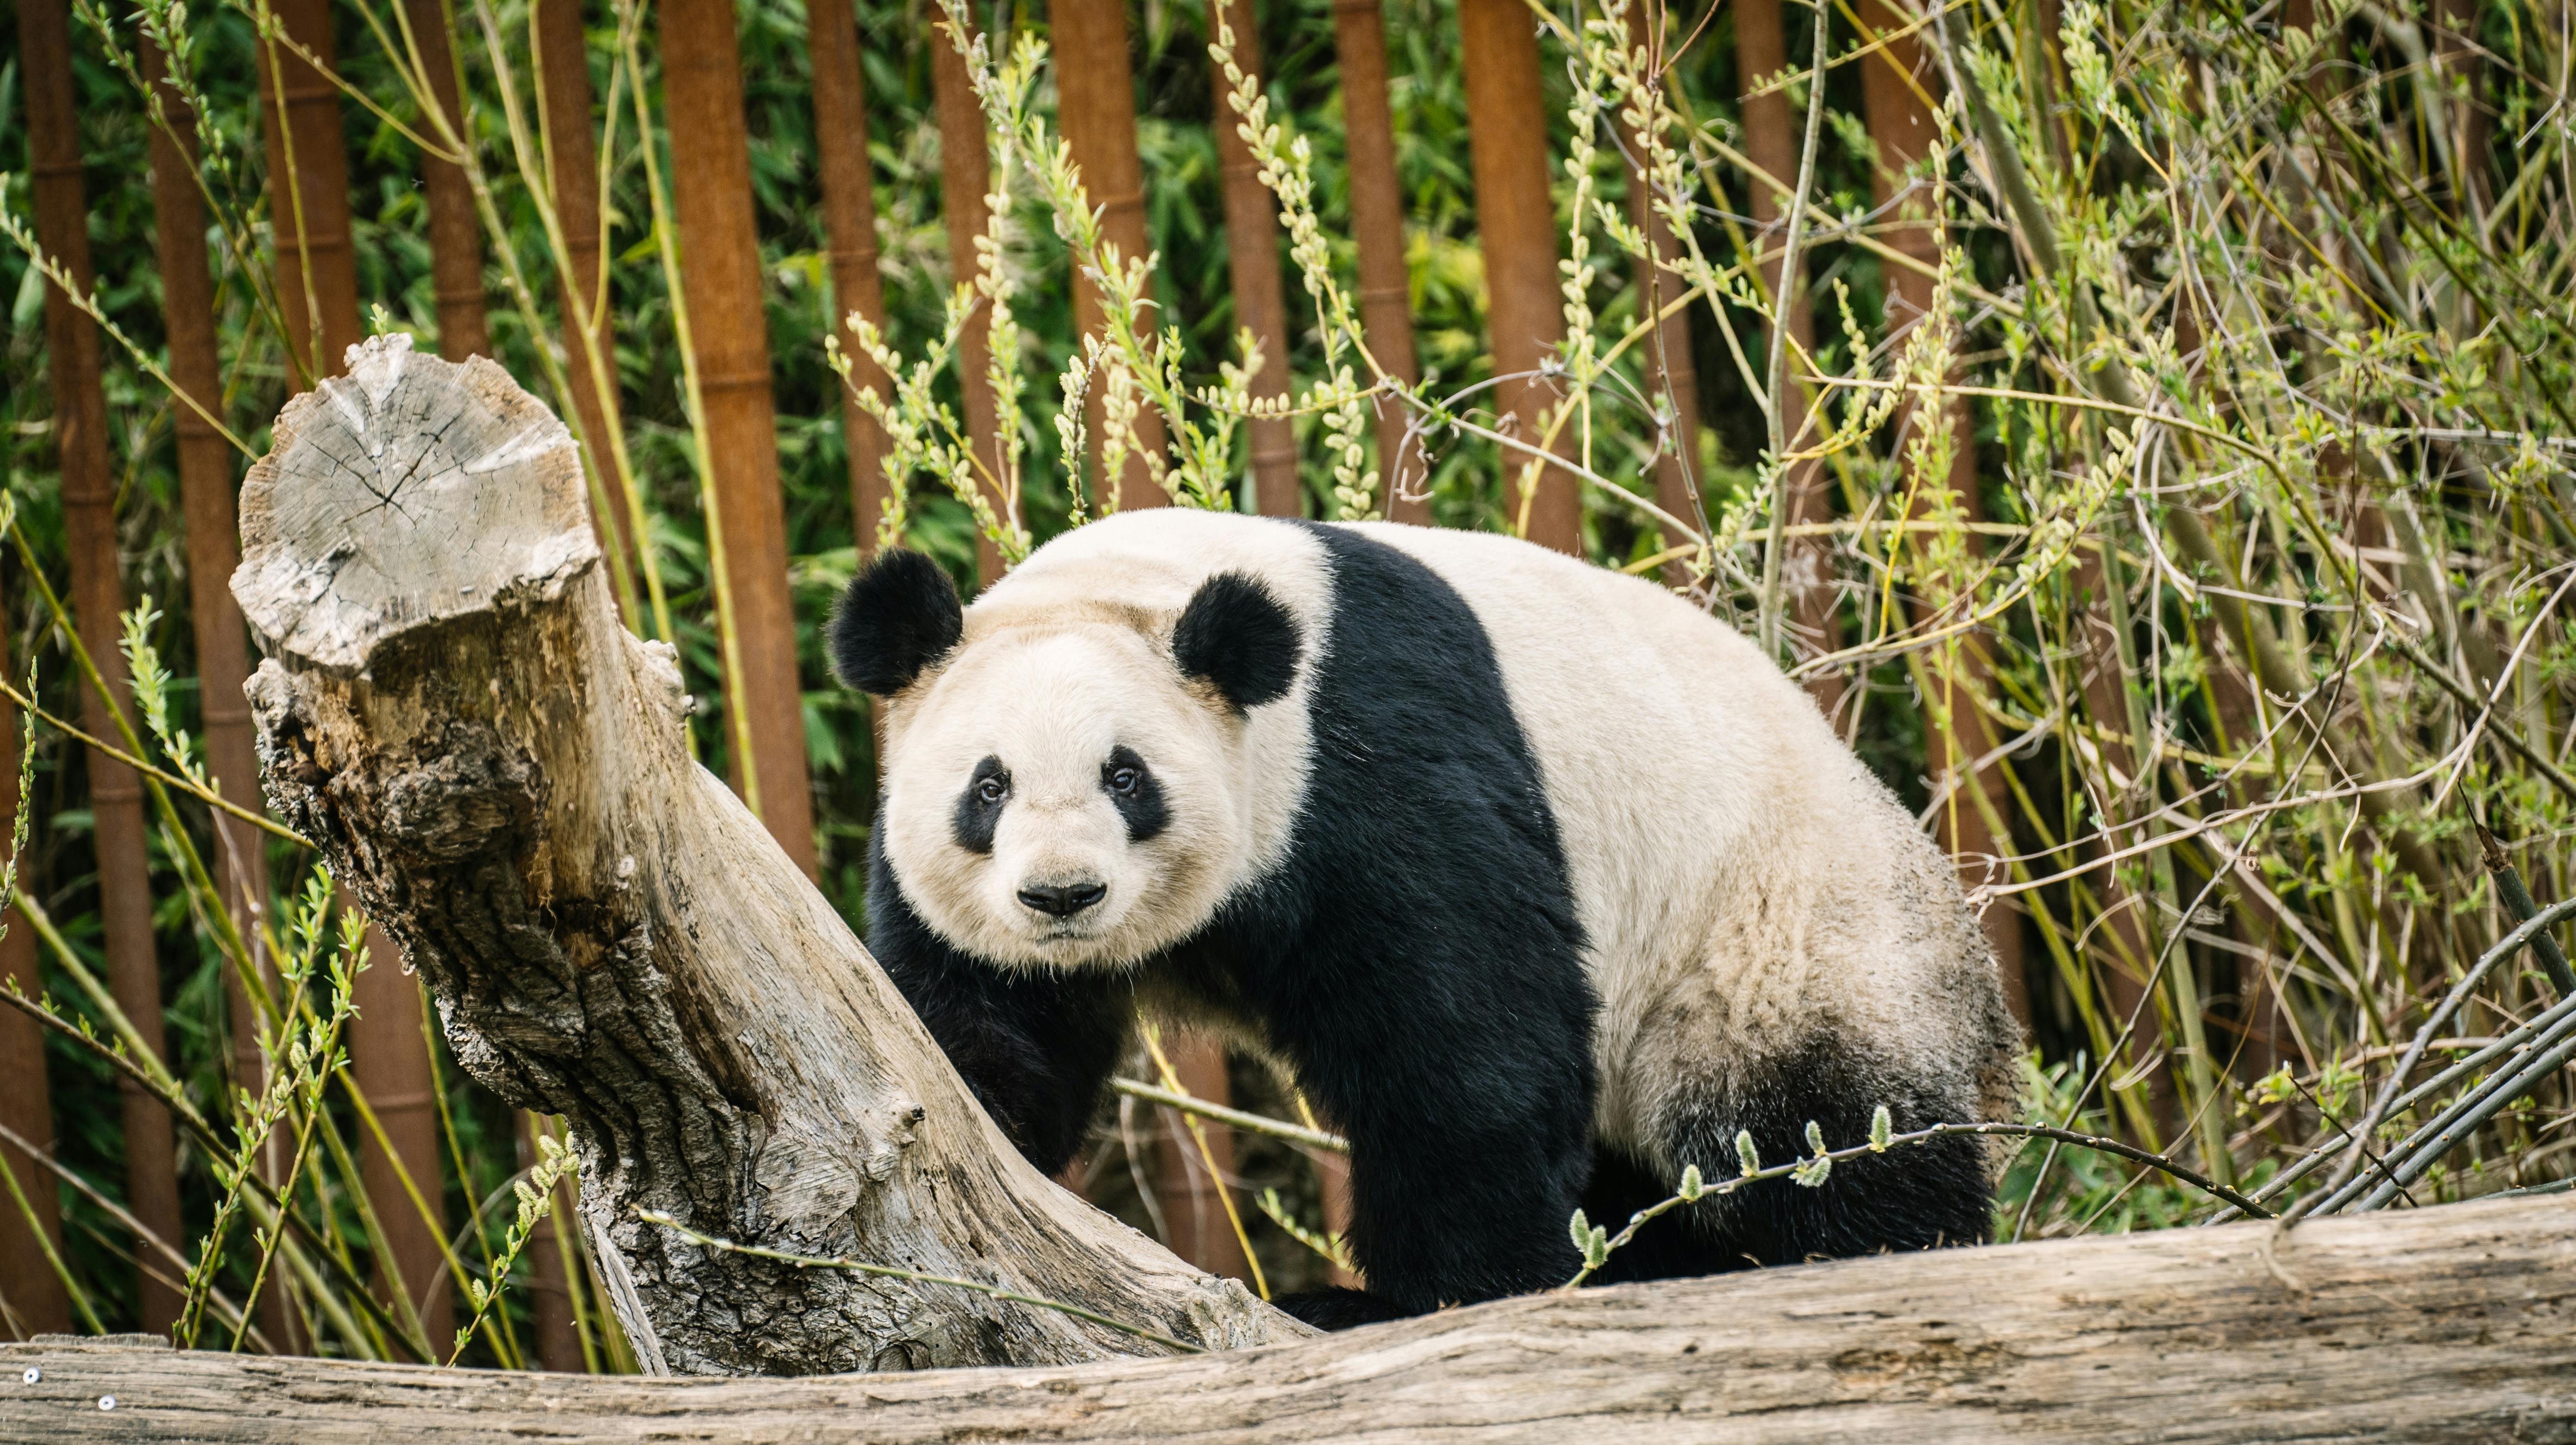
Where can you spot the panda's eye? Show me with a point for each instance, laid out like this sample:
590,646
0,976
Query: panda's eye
991,791
1125,780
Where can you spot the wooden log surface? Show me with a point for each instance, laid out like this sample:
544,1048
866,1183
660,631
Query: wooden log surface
2447,1324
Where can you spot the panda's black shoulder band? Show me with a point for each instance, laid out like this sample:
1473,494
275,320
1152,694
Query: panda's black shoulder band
900,615
1237,636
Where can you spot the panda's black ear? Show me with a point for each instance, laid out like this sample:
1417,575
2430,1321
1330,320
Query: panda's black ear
1237,636
900,615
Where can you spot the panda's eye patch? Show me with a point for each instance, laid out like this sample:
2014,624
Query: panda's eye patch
1134,792
979,808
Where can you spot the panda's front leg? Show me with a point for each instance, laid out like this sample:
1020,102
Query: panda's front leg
1465,1088
1037,1048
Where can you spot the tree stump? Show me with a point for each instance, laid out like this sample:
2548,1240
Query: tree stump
451,709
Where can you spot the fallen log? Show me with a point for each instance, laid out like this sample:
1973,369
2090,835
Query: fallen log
451,709
2447,1324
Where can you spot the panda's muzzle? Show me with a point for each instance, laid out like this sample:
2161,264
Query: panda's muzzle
1063,900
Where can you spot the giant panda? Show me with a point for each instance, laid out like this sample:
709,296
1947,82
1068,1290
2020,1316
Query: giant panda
1538,881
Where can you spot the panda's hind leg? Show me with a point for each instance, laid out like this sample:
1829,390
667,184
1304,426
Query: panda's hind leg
1919,1196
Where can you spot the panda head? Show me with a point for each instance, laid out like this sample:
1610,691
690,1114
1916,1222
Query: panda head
1066,779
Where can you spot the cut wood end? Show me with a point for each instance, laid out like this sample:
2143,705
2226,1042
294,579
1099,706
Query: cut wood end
408,492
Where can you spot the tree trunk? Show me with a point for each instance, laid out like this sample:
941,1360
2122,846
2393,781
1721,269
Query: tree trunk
214,547
497,768
721,276
37,1302
98,597
850,223
1516,227
2427,1326
965,174
1377,228
1252,262
1096,109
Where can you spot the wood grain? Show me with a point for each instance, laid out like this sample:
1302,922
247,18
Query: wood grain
2449,1324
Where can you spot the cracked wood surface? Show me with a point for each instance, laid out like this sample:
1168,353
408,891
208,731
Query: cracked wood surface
451,709
2448,1324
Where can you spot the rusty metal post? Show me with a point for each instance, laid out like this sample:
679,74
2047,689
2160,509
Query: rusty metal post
308,182
1096,109
1671,377
558,1343
455,233
850,224
98,596
1902,127
1377,225
389,1062
1252,259
965,174
38,1303
1194,1217
573,176
1516,226
1771,142
214,547
721,274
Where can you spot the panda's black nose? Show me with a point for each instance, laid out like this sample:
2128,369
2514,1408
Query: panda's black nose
1063,900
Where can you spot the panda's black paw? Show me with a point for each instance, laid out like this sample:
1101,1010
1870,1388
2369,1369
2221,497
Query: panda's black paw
1342,1309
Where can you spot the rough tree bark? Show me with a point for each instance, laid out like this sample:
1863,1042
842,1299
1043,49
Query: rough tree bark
2429,1326
496,767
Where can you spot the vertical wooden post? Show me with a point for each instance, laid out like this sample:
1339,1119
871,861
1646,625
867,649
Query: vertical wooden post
850,223
36,1297
98,596
1252,259
1516,226
720,272
1771,142
1670,374
965,174
1096,109
1902,127
1193,1205
573,176
213,538
308,182
308,178
455,233
1377,225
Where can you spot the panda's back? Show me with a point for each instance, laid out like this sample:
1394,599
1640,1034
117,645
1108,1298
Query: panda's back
1738,876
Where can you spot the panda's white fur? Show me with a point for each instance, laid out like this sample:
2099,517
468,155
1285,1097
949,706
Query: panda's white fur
1738,873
